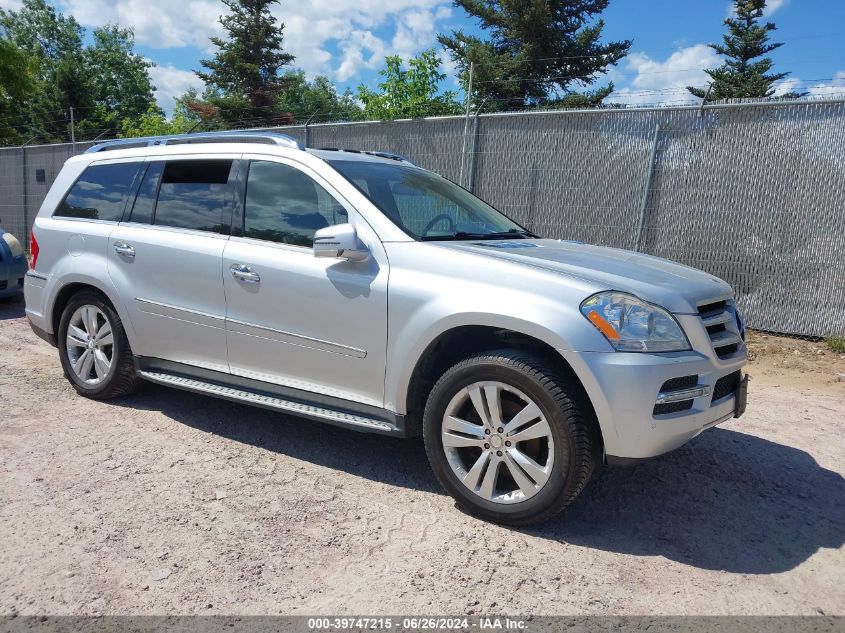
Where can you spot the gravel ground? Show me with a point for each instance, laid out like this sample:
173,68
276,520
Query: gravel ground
168,502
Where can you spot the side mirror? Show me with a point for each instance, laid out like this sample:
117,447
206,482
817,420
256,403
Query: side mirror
340,241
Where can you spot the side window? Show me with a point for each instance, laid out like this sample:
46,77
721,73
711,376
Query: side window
195,194
142,210
285,205
100,193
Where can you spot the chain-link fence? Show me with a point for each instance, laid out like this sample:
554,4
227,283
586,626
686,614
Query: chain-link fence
752,193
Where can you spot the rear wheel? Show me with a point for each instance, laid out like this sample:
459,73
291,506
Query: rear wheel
509,438
93,348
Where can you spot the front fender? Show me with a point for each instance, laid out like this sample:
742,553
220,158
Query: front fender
411,334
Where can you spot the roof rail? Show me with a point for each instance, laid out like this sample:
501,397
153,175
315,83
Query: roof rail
229,136
389,155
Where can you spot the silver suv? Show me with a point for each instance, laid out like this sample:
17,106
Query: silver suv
357,289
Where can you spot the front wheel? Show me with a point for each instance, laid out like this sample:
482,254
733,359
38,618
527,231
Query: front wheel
510,438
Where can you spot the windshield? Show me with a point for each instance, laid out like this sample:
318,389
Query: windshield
425,205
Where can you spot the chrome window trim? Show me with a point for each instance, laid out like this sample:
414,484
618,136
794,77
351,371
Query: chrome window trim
176,229
68,218
293,248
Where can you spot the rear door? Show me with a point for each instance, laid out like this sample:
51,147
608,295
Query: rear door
166,257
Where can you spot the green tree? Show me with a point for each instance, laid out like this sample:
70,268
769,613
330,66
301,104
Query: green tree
53,45
105,82
120,77
405,94
318,98
747,40
537,51
154,123
243,76
17,84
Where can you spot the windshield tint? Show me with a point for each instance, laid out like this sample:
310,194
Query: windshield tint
425,205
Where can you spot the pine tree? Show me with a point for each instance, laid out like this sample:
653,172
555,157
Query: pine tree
244,72
747,39
537,51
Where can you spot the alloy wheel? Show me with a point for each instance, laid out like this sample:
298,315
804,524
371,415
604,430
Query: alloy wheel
498,442
90,344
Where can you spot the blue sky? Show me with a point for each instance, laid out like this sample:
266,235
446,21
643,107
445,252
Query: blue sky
347,41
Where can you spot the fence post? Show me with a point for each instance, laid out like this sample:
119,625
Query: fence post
305,138
25,198
471,168
649,177
466,123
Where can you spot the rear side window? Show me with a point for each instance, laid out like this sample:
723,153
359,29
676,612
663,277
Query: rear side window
100,193
195,194
142,210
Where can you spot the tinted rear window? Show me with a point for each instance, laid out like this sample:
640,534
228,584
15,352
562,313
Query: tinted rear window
100,193
142,210
195,194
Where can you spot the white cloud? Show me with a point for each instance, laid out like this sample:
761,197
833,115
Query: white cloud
14,5
665,81
789,84
836,87
771,7
170,83
157,23
312,27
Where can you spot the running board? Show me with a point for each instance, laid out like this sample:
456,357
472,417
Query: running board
340,418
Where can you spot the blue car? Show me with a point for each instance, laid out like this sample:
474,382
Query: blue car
13,265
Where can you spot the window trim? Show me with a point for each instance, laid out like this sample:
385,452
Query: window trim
239,219
102,163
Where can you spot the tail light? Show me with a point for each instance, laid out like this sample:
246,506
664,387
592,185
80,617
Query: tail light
33,250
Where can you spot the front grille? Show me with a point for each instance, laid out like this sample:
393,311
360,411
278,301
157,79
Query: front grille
719,321
676,384
672,407
716,306
726,385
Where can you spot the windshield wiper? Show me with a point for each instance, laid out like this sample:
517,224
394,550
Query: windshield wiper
512,234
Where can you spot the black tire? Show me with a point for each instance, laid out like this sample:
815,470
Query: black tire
577,440
121,379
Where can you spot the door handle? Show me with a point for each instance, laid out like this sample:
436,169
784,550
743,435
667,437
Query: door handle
122,248
244,273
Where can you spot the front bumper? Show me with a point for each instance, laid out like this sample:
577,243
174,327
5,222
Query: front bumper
623,388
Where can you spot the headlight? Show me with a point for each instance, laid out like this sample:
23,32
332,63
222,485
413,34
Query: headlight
632,325
14,245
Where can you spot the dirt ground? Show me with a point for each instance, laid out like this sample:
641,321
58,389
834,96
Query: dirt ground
168,502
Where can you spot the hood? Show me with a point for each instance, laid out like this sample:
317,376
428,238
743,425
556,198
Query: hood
678,288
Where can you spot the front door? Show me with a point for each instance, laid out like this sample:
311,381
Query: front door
166,259
317,325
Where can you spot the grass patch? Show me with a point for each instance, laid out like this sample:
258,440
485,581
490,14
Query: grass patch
836,343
